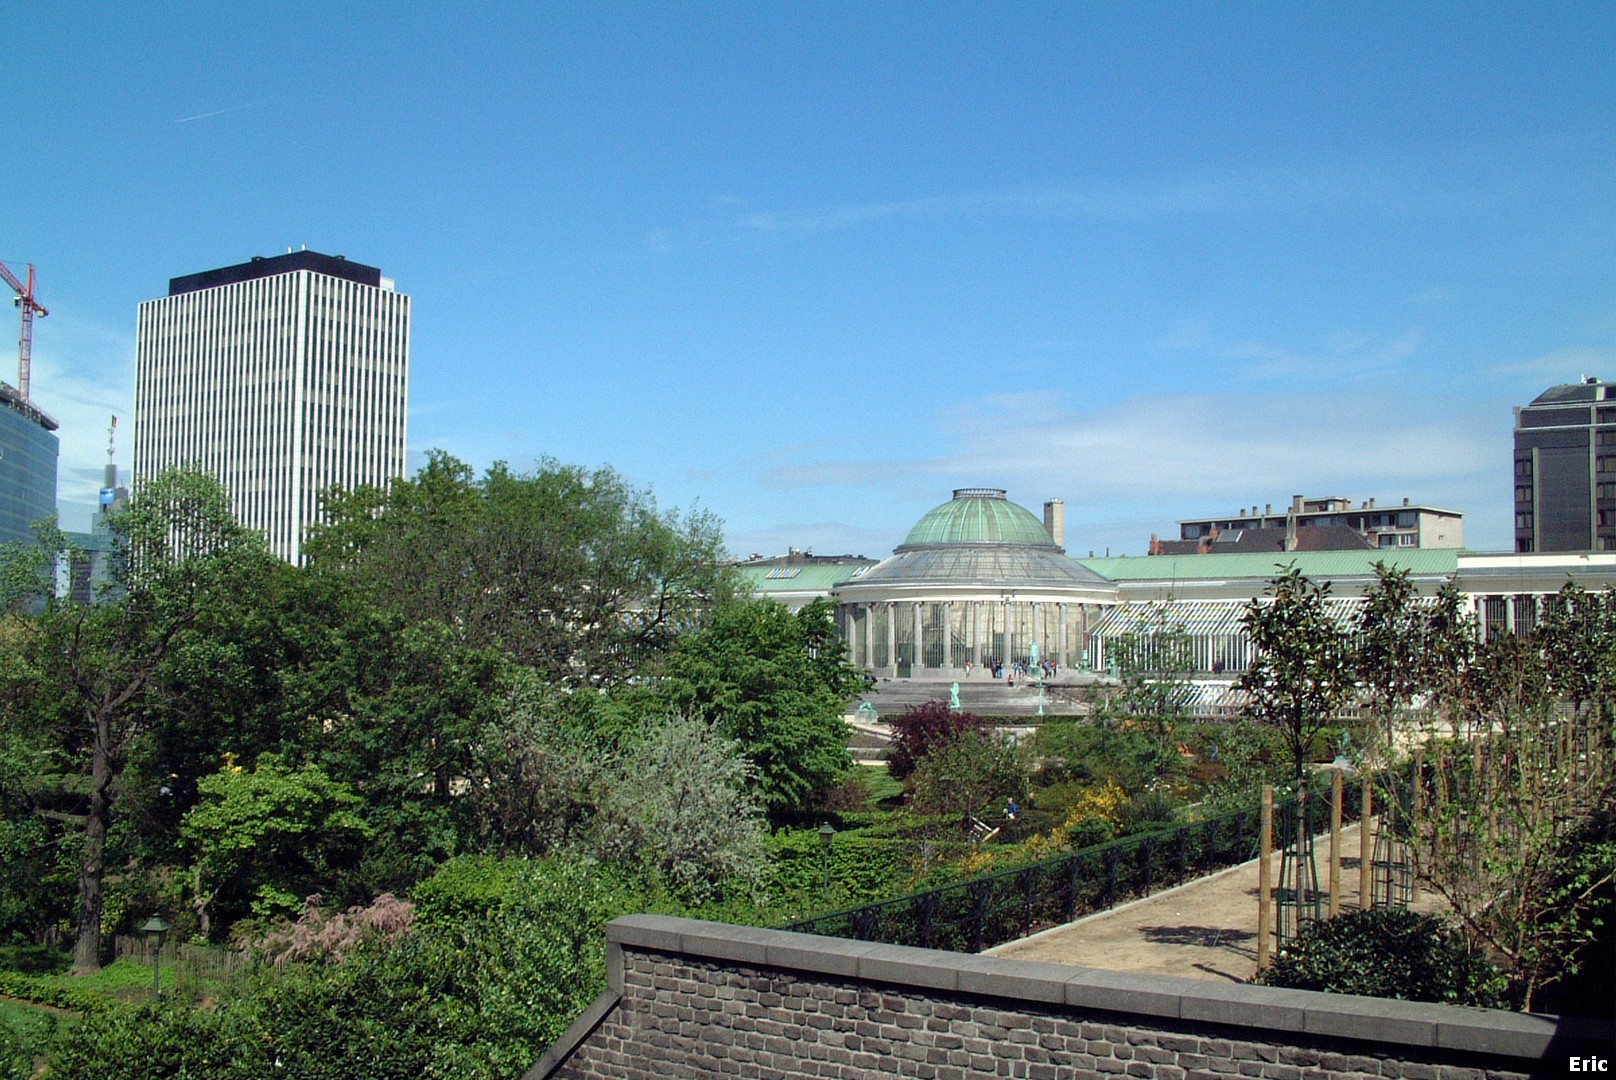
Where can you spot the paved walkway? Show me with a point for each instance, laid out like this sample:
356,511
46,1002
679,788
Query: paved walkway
1205,929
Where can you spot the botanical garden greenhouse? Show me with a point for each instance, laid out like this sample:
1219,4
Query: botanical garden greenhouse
980,580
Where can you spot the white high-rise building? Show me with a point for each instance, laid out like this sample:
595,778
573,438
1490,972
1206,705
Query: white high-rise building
282,376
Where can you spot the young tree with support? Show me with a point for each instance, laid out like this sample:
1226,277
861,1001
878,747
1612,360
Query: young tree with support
1301,673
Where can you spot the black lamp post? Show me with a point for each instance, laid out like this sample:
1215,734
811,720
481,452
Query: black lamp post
156,930
825,835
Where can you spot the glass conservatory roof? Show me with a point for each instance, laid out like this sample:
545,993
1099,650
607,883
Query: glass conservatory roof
979,538
979,516
985,565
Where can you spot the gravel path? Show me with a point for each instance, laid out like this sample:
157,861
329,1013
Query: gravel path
1204,929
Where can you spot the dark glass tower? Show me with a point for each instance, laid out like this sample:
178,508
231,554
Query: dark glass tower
1565,469
28,451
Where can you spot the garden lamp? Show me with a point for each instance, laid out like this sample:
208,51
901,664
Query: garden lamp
156,930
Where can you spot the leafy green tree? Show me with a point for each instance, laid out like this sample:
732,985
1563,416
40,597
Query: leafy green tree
535,776
1155,667
1302,669
776,682
970,775
269,836
100,672
1516,835
1391,641
570,572
1578,636
677,804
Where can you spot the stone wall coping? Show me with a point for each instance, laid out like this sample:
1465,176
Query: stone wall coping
1265,1009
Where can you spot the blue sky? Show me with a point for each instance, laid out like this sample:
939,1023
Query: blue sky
811,266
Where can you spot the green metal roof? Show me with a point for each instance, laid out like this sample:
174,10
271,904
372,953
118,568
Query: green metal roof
1421,562
764,580
978,516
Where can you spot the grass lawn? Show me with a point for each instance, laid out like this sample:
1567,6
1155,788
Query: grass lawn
31,1025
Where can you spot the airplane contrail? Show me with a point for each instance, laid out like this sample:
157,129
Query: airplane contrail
204,116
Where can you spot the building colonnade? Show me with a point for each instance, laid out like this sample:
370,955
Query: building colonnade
913,638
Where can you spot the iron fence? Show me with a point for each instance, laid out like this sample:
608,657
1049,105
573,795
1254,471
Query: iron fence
981,912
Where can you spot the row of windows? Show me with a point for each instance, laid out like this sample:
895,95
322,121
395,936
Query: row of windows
216,386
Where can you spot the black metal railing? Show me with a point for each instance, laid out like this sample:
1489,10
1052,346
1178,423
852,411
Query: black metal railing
981,912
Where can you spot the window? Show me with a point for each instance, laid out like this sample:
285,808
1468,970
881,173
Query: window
1407,540
1606,464
1607,489
1523,467
1605,438
1523,492
1523,522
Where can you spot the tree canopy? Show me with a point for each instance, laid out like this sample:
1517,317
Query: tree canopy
570,572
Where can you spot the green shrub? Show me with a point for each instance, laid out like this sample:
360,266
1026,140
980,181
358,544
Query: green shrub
42,990
1389,953
33,959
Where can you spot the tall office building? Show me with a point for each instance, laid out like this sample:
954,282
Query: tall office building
283,377
28,452
1565,469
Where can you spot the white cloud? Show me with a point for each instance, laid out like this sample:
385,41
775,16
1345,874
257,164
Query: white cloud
1147,462
1274,188
1563,365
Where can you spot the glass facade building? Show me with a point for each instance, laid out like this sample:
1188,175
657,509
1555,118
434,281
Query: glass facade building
1565,470
28,456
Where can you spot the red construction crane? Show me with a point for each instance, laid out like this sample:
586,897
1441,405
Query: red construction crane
30,307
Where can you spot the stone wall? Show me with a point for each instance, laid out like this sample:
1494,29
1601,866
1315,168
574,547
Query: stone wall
695,999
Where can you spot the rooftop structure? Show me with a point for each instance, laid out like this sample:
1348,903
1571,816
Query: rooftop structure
1565,469
1417,525
978,579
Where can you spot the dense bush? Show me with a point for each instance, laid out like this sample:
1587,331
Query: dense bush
33,959
923,727
43,991
504,958
1390,953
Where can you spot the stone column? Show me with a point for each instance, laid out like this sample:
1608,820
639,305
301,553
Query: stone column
1004,639
976,634
948,635
918,661
1040,633
869,636
892,635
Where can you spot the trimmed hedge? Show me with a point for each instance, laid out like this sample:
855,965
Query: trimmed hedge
49,992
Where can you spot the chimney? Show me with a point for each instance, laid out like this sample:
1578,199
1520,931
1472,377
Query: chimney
1371,504
1267,509
1055,521
1296,504
1405,500
1155,544
1290,524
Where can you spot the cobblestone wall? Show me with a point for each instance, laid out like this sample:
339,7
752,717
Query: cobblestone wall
692,999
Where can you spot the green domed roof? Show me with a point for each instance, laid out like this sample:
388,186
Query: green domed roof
978,516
